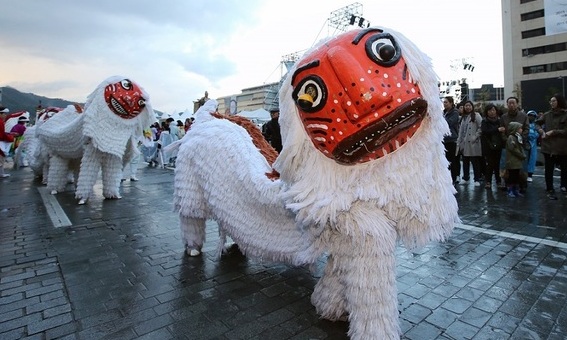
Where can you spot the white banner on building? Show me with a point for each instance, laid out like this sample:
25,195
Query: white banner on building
555,16
231,105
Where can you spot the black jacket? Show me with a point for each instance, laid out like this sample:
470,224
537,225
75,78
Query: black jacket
273,135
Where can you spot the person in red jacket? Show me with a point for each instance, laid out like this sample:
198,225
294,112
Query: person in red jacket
4,138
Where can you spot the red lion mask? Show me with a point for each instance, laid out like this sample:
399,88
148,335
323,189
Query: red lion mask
356,98
125,99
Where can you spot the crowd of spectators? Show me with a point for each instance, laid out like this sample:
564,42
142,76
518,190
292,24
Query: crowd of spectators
502,144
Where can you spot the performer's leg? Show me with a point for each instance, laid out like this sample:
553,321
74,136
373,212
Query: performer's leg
44,172
192,233
18,157
2,174
57,174
90,166
111,174
369,275
328,296
134,167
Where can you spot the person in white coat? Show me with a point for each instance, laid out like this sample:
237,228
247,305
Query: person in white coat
469,143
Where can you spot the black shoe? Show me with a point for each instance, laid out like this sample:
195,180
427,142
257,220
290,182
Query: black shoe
551,195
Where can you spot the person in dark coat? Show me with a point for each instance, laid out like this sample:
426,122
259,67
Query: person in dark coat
514,158
452,116
492,139
272,131
553,129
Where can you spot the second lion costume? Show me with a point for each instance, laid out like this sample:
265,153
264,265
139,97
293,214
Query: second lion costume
102,138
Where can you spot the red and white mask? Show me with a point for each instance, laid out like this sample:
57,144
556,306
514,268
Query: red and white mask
125,99
356,98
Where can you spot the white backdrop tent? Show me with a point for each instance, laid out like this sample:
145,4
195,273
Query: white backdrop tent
258,116
178,115
187,114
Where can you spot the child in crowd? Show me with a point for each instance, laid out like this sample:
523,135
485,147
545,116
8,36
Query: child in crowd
533,137
514,158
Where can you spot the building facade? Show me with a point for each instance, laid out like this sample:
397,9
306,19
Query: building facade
535,50
252,98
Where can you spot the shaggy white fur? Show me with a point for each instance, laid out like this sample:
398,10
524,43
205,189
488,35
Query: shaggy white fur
36,152
32,145
213,182
109,143
90,142
355,214
61,138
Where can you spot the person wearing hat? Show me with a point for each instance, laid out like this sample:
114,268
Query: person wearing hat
6,140
533,136
18,131
272,131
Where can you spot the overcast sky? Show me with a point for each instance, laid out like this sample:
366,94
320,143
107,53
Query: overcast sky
179,49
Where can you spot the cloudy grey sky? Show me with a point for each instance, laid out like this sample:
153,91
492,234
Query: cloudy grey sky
177,49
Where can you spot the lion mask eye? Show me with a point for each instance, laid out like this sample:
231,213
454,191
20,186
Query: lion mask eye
126,84
383,49
310,94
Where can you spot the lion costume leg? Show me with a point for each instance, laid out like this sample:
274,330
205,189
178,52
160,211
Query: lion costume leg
111,175
45,173
90,166
328,295
360,276
192,233
57,174
370,280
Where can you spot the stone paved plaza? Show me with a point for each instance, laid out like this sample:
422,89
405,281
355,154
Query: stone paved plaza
116,269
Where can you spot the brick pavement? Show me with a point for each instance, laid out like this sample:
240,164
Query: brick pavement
119,272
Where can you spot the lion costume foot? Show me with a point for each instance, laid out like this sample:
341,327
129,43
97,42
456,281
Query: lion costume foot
232,249
192,252
113,197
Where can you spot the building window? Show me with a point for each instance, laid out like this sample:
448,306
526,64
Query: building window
557,67
526,1
556,47
499,93
530,52
532,15
554,67
533,33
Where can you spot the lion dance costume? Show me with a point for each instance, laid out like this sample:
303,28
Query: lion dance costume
36,153
362,166
103,137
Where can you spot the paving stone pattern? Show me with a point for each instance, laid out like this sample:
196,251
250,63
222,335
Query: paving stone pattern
119,272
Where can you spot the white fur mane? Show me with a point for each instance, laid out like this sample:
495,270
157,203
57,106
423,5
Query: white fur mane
412,185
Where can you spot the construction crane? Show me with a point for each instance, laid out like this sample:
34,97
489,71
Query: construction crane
340,20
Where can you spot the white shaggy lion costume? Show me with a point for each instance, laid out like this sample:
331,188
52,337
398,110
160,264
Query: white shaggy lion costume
223,187
36,153
103,137
60,143
362,166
